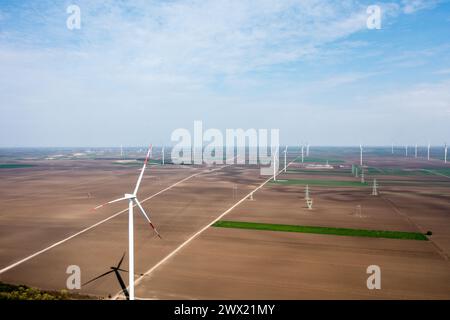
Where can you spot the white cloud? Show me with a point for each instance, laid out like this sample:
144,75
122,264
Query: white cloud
162,60
426,99
443,71
202,37
411,6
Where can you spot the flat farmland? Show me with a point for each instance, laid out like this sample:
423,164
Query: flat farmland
54,199
226,263
193,260
177,212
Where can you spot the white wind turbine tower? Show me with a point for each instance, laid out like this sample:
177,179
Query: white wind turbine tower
415,151
307,149
445,153
392,148
132,201
406,151
360,155
274,167
285,162
121,151
162,155
303,153
428,151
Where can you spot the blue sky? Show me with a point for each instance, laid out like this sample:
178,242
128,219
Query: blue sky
138,70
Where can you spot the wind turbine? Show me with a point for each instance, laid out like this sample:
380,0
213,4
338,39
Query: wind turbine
445,153
307,149
362,176
162,154
428,151
121,151
274,167
406,151
392,148
303,147
285,163
360,155
132,201
415,151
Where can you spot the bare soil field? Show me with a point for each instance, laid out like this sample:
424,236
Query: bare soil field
178,213
44,204
245,264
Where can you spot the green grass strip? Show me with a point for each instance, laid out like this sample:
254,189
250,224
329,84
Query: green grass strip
325,183
15,165
321,230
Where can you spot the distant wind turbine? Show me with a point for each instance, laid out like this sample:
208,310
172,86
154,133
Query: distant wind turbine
360,155
274,167
445,153
302,147
285,162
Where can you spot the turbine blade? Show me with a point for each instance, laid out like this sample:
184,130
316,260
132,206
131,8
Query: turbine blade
120,262
123,270
100,276
104,204
117,200
142,171
146,216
